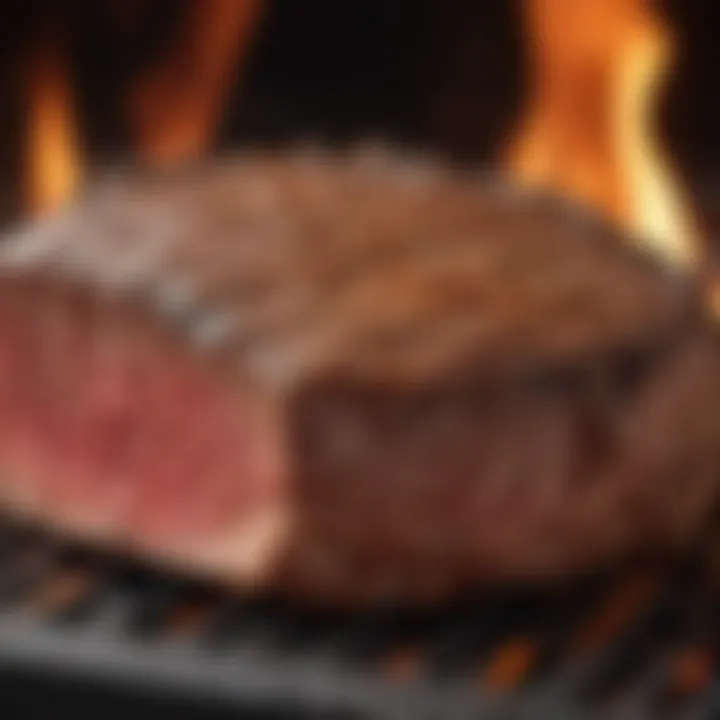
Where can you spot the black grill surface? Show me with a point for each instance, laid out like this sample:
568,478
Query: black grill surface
76,628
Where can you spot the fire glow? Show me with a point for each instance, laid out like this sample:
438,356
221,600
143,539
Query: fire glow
589,131
54,164
174,109
177,107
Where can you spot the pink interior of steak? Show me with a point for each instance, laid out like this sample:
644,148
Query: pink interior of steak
105,420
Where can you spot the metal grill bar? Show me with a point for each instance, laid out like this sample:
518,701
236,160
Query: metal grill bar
647,642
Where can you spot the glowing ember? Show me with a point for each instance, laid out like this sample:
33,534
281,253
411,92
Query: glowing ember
589,133
53,157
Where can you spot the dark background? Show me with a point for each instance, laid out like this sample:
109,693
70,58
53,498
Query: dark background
441,73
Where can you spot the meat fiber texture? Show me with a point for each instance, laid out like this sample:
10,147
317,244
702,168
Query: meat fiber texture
354,379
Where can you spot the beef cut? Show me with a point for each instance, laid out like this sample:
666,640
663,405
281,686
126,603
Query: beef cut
352,378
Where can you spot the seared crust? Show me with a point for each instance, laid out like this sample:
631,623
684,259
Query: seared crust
371,266
476,384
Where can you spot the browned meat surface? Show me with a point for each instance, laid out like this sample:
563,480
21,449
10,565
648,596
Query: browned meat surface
352,379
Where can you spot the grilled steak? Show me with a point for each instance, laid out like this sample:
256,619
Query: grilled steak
352,379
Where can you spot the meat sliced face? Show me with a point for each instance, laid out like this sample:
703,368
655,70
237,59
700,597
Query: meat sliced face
352,379
111,423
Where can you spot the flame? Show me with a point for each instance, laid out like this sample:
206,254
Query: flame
598,69
177,107
53,157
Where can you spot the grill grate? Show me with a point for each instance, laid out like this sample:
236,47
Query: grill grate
642,646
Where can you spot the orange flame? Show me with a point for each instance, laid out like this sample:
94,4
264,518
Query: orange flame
598,67
176,108
53,157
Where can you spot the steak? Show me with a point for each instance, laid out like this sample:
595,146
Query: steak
354,378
